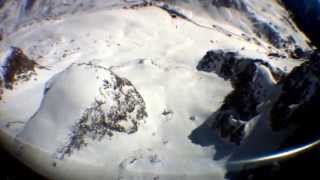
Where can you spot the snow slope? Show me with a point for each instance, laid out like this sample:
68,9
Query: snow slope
148,54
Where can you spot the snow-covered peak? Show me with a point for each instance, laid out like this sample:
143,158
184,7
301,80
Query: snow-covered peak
92,101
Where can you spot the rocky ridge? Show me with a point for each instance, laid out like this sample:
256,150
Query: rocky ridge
16,68
254,82
257,83
298,103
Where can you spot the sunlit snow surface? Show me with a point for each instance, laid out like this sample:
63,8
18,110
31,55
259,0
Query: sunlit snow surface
157,53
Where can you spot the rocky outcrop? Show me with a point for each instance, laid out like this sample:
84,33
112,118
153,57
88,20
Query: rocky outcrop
16,67
296,107
118,108
294,98
300,97
254,82
268,32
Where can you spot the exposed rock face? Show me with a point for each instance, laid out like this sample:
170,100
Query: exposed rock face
254,82
228,65
118,108
300,97
270,32
17,67
267,31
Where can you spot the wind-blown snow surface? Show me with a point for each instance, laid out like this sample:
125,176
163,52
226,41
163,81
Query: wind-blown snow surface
153,52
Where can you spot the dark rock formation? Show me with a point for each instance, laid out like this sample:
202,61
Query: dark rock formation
268,32
17,67
300,97
296,107
254,82
119,109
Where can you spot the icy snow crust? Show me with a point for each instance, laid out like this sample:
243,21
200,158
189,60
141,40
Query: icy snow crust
153,52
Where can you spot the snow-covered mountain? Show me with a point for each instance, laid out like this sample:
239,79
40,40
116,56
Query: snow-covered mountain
147,89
